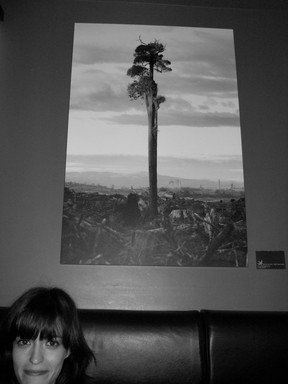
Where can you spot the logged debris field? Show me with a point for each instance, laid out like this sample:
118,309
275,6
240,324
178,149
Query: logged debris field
190,229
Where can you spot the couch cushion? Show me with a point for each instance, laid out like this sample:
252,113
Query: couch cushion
246,347
144,347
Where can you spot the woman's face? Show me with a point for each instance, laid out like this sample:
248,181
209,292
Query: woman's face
38,361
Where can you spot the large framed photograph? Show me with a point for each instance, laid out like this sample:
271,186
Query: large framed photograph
154,171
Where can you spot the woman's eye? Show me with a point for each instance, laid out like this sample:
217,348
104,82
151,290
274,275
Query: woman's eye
22,342
53,343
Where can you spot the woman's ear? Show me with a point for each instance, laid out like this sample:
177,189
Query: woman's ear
68,353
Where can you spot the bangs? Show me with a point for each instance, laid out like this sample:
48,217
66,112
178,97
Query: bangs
30,325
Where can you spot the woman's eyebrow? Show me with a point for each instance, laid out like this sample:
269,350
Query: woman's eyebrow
49,336
56,336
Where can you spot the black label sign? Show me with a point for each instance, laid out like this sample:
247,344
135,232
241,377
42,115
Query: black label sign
270,260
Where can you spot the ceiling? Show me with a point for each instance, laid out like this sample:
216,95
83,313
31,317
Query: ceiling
241,4
248,4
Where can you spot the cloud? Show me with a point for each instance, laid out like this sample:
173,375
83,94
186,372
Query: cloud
104,99
203,69
180,118
96,90
210,49
185,83
85,54
229,167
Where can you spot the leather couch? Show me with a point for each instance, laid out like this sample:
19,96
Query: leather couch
195,347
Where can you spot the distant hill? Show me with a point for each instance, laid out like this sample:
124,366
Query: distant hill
141,180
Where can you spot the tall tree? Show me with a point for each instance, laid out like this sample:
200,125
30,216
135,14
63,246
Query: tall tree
148,58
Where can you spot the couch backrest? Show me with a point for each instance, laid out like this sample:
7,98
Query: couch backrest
246,347
195,347
145,347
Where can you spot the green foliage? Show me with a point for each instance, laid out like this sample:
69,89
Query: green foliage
140,87
147,59
137,71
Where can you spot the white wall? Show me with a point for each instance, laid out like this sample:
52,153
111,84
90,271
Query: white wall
36,40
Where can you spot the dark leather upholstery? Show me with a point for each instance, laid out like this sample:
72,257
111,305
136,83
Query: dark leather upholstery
144,347
246,347
195,347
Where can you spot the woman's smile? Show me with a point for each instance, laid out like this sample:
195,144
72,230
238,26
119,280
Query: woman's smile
32,372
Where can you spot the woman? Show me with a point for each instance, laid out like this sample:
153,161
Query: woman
42,341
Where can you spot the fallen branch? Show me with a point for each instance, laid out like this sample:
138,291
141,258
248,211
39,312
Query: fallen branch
217,242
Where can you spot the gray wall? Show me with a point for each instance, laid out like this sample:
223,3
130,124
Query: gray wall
36,40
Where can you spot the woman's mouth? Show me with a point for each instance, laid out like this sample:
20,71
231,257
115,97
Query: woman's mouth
32,372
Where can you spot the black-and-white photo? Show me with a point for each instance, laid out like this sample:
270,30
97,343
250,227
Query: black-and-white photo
154,171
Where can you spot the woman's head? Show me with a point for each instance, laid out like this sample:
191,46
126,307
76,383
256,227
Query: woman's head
44,322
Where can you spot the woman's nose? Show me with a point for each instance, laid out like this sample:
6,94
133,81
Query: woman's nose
36,356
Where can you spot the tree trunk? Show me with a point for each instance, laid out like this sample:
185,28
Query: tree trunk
152,155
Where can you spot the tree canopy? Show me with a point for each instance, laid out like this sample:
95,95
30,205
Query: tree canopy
147,59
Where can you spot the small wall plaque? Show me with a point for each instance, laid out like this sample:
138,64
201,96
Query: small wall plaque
270,260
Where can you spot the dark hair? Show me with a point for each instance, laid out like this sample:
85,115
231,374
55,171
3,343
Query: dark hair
46,311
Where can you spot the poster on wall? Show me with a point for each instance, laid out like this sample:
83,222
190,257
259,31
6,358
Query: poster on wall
154,172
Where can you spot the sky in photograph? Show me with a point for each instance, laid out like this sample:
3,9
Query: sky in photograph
199,129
